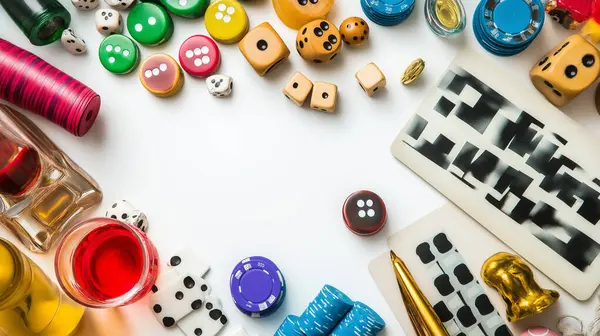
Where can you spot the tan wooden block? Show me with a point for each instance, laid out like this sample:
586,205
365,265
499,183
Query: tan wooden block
371,79
298,89
324,97
263,48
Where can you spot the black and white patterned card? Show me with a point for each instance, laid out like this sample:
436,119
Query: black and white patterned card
517,165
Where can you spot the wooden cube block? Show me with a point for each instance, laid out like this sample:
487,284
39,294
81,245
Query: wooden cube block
298,89
371,78
263,48
324,97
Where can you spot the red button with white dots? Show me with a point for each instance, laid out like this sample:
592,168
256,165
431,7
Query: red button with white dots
364,213
199,56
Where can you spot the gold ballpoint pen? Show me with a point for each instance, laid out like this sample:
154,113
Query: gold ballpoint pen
423,317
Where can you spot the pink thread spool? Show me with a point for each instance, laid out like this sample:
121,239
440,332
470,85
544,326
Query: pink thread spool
30,83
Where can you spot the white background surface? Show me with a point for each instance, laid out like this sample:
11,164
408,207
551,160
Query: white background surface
254,174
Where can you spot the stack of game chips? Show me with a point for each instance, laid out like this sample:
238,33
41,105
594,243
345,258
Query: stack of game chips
507,27
360,320
387,12
289,327
29,82
257,286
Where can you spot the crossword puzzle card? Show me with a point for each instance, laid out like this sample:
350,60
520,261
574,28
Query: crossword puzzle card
517,165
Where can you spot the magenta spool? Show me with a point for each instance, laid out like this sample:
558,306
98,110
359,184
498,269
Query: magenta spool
32,84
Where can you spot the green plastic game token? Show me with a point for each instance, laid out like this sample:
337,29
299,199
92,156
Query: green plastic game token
119,54
149,24
190,9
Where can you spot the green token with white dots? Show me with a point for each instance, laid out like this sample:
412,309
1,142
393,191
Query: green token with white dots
149,24
119,54
190,9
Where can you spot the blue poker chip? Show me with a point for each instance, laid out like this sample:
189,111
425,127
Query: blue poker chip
507,27
361,320
289,327
324,312
257,286
387,12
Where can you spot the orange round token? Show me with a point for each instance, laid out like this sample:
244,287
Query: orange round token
161,75
296,13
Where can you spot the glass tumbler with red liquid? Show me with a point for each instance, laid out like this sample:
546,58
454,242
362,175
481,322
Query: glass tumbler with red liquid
105,263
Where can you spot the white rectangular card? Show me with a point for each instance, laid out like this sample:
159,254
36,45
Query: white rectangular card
516,164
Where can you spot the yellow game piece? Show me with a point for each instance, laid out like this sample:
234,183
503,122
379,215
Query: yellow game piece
591,30
318,41
296,13
371,78
263,48
324,97
298,89
226,21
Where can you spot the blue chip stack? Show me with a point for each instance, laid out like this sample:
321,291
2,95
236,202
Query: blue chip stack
387,12
507,27
325,312
289,327
361,320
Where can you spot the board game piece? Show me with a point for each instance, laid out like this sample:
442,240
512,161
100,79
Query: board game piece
296,13
539,331
507,27
569,13
149,24
219,85
354,31
85,5
510,276
199,56
370,78
324,97
567,70
413,71
125,212
108,22
324,312
387,12
189,9
208,321
298,89
172,303
119,4
73,43
445,17
257,287
187,261
364,213
591,30
161,75
521,168
119,54
318,41
360,320
289,327
226,21
263,48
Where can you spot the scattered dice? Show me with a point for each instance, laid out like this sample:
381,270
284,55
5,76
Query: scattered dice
186,261
124,211
371,79
263,48
298,89
179,299
73,43
324,97
207,321
108,22
85,4
318,41
219,85
354,31
122,4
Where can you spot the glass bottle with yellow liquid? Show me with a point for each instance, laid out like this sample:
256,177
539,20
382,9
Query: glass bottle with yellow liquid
41,189
445,17
30,303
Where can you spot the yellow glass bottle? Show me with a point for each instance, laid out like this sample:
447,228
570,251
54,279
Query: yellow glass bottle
30,303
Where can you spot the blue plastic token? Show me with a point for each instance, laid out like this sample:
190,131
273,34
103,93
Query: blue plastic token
360,320
324,312
387,12
289,327
257,286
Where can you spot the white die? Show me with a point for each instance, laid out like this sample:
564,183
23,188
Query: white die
122,4
207,321
108,22
85,4
124,211
178,299
219,85
186,261
72,43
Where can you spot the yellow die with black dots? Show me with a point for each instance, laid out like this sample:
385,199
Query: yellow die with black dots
263,48
318,41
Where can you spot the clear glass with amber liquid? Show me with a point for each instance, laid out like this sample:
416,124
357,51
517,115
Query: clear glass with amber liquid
30,303
42,191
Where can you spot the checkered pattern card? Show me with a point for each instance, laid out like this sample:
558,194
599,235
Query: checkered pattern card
517,165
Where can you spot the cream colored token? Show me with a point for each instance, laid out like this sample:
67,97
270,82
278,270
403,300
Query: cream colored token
226,21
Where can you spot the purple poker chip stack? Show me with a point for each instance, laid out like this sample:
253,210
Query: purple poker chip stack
257,286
